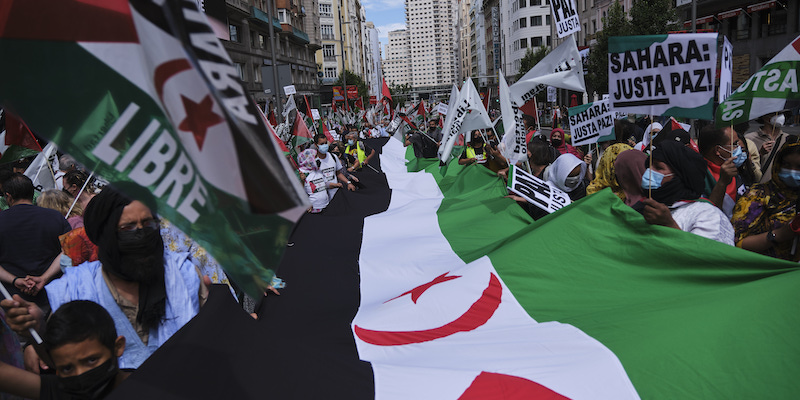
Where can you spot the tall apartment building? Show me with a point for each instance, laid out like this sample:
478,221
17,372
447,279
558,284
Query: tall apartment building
477,43
433,44
493,40
249,45
339,23
397,66
372,60
526,24
463,35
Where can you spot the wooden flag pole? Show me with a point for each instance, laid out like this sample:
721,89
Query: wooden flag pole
650,145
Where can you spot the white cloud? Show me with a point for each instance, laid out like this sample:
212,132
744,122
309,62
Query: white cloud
383,30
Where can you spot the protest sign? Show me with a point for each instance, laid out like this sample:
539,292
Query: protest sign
663,74
725,70
289,90
441,108
338,94
588,122
565,16
315,114
551,94
767,91
540,193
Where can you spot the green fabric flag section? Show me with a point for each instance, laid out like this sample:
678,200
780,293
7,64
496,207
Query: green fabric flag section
688,317
15,152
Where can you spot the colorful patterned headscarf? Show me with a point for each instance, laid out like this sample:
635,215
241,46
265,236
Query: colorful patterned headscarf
605,176
308,161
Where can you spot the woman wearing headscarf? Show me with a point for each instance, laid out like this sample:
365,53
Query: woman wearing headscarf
675,178
605,176
568,173
649,133
629,167
149,293
765,218
559,143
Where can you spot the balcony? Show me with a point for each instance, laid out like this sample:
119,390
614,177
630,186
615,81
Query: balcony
329,58
262,18
295,34
328,36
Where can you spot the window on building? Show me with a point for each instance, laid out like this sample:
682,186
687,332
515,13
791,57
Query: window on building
536,2
330,72
742,27
234,32
536,41
240,70
257,73
523,22
329,52
547,20
283,16
549,42
523,43
776,21
523,3
594,26
326,31
536,20
325,10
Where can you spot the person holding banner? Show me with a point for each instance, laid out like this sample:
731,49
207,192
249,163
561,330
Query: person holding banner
765,218
478,152
569,174
675,179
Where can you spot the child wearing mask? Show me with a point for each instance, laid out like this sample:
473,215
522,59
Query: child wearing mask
82,342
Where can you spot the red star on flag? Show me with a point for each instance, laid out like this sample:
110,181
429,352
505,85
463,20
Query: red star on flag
199,117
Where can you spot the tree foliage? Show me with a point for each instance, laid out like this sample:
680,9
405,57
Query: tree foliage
647,17
353,79
400,93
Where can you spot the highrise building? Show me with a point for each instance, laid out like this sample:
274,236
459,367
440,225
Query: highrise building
526,24
397,66
433,45
372,60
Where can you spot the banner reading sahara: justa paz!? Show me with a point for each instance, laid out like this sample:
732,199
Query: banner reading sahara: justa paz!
663,74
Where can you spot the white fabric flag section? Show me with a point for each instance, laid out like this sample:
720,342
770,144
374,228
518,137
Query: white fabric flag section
513,146
589,122
766,91
428,363
663,74
561,68
725,70
565,15
540,193
456,110
469,115
477,118
42,169
290,105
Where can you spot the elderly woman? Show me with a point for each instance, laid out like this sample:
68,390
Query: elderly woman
675,178
765,218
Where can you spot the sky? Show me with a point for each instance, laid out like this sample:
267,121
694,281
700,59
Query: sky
387,15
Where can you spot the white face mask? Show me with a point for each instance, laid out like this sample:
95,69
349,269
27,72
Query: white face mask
572,182
777,120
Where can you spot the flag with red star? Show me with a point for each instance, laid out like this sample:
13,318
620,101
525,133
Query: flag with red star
144,92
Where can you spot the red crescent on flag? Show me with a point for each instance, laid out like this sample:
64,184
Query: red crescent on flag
477,315
167,70
488,385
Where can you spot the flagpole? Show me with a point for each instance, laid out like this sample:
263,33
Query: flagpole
650,144
79,194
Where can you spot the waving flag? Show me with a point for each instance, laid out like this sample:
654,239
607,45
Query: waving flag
16,140
143,91
767,91
561,68
434,303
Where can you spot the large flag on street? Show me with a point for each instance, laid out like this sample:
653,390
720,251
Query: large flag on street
433,302
144,92
767,91
467,115
561,68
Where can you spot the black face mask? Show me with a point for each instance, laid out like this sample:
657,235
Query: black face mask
557,142
142,254
93,384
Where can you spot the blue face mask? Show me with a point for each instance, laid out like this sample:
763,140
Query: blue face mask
790,177
351,142
738,155
652,179
323,148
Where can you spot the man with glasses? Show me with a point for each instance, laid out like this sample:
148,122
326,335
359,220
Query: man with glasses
149,293
723,156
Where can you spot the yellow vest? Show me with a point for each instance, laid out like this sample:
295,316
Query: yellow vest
358,150
471,154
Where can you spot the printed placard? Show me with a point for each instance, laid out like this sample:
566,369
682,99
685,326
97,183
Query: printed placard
315,113
289,90
441,108
551,94
725,70
663,74
565,15
589,122
540,193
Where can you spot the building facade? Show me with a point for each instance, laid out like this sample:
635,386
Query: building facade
372,60
397,66
526,25
433,45
339,25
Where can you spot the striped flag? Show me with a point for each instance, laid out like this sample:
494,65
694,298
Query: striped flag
143,91
767,91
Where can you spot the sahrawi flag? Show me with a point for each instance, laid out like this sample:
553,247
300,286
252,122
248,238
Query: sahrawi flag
144,92
467,115
448,306
767,91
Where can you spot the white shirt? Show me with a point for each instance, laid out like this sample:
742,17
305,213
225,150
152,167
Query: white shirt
315,186
703,219
329,166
